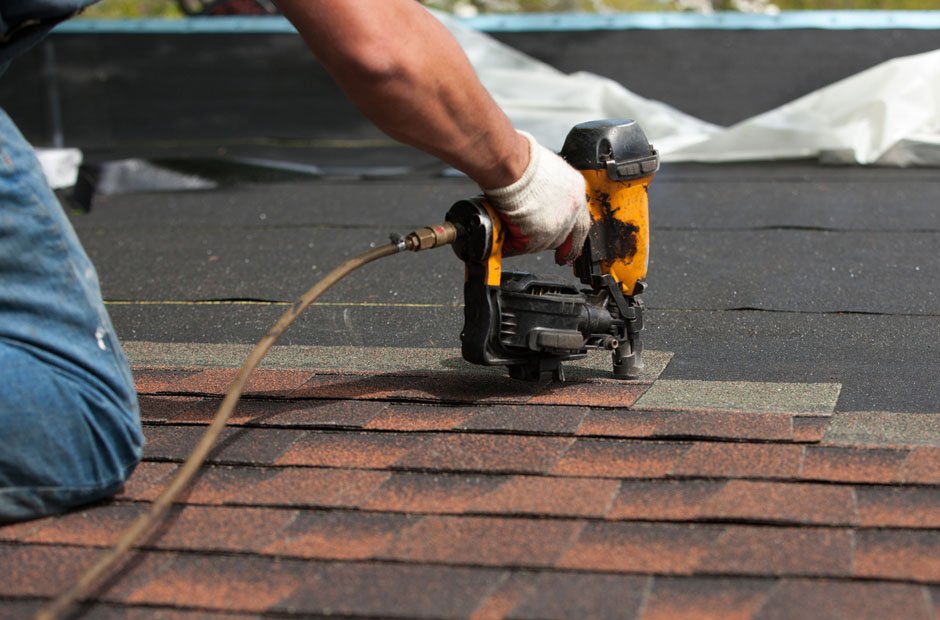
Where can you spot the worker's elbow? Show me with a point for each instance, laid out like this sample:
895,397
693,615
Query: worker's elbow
374,64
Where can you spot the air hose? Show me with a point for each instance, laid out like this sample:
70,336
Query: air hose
420,239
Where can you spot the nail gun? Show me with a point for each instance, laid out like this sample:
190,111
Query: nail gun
532,324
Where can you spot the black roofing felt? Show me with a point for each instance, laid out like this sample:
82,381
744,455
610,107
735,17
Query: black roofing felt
848,296
768,262
840,263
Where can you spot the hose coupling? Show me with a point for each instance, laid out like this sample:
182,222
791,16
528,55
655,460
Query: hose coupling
431,237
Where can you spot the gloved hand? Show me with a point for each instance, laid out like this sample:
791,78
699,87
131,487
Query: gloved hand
546,208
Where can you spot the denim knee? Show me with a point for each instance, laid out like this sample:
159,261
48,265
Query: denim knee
63,443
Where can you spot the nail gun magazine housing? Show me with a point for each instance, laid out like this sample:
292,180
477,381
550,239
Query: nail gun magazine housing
532,324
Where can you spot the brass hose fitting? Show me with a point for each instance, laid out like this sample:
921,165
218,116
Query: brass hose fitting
430,237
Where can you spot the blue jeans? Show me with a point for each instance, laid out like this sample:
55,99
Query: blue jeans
69,423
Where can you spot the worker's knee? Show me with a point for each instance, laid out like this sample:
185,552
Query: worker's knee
65,441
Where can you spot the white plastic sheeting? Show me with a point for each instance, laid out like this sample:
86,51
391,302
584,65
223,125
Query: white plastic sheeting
60,166
886,115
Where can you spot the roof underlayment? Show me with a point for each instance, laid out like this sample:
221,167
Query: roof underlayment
887,115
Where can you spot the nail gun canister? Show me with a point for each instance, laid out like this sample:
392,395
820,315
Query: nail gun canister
618,164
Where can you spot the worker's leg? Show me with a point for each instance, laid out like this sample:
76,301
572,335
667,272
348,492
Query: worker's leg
69,424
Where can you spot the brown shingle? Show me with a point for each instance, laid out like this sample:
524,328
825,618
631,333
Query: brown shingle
496,453
98,526
276,486
416,418
369,450
337,535
838,464
702,598
247,446
783,502
797,551
639,547
898,554
740,460
572,595
152,380
572,497
262,382
220,528
214,582
591,394
314,487
148,480
381,590
823,600
40,570
810,428
621,459
485,541
884,506
426,492
663,500
510,592
922,466
526,419
713,424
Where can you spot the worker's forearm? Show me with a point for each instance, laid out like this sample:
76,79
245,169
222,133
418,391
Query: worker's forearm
408,75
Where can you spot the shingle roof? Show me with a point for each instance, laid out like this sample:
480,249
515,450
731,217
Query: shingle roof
358,500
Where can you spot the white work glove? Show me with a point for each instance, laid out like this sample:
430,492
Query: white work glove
546,208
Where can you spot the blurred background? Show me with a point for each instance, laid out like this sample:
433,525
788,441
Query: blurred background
471,8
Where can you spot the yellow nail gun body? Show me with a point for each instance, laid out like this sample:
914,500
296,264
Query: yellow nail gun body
532,324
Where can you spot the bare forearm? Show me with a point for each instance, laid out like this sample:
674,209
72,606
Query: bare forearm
402,68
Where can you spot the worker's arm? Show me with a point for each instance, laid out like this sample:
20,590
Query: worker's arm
408,75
